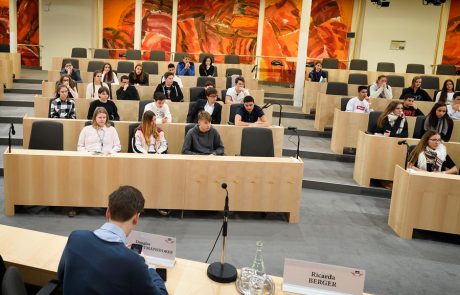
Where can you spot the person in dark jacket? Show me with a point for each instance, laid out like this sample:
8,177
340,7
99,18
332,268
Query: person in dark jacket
438,120
138,76
104,102
416,90
126,91
203,139
409,107
206,68
392,122
209,105
170,88
317,74
72,72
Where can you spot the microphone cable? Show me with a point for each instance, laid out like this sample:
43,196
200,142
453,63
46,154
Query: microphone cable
215,242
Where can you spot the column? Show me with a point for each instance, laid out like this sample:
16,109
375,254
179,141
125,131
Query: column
13,26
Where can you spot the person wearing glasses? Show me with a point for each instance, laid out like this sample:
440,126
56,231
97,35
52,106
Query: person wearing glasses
92,89
392,122
237,93
431,155
360,103
209,105
438,120
68,82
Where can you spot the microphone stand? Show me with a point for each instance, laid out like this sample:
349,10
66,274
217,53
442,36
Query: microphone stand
222,272
294,129
267,105
403,142
13,132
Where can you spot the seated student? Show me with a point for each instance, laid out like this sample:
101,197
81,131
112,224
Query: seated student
138,76
209,105
431,155
104,102
453,110
186,67
206,68
392,122
416,90
68,82
63,107
159,108
170,88
73,73
92,89
250,114
126,91
317,74
172,69
438,120
409,107
359,104
202,94
99,137
237,93
203,139
149,139
381,89
447,92
108,76
99,262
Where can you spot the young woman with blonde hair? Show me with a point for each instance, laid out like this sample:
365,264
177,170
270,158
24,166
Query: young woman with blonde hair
149,139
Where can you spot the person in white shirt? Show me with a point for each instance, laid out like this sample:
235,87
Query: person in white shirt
238,93
453,109
159,108
99,137
108,76
149,139
360,103
446,94
210,105
92,89
172,69
381,89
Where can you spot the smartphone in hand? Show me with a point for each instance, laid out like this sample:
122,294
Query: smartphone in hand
136,248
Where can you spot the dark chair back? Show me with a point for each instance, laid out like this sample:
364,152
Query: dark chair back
201,81
133,54
228,82
94,65
194,92
343,103
446,70
358,65
224,94
79,52
257,142
373,118
73,61
233,71
2,271
142,105
179,56
232,59
131,130
150,67
191,105
188,127
203,55
337,88
418,128
125,67
47,135
395,81
4,47
386,67
233,109
430,82
357,79
157,55
330,63
101,53
457,85
12,283
415,68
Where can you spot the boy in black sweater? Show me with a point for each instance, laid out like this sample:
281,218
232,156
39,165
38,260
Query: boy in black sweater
104,102
126,91
409,108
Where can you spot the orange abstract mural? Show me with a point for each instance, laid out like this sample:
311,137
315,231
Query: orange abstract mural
218,27
4,22
118,25
451,53
27,26
156,25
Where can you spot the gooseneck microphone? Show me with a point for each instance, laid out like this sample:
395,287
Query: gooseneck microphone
11,131
294,129
269,104
222,272
404,142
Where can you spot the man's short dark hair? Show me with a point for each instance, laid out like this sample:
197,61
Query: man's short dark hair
407,96
159,96
248,99
362,88
124,77
171,65
125,202
209,83
211,91
167,74
239,78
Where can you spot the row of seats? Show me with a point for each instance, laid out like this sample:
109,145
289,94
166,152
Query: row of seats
155,55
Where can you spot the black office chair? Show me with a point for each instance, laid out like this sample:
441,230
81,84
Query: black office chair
343,103
430,82
191,105
101,53
2,270
223,92
157,55
337,88
194,93
4,47
415,68
94,65
203,55
12,284
150,67
232,59
188,127
357,79
372,124
75,63
450,70
330,63
131,130
125,67
257,142
179,56
47,135
457,85
229,82
201,81
418,128
133,54
79,52
358,65
386,67
142,105
233,71
395,81
233,109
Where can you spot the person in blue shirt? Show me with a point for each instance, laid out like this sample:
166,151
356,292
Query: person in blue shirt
186,67
250,114
99,262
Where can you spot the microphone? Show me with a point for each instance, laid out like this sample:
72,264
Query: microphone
12,129
294,129
13,132
402,142
269,104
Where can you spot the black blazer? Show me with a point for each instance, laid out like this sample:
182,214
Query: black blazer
192,116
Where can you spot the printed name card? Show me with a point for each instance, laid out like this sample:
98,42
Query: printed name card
303,277
158,250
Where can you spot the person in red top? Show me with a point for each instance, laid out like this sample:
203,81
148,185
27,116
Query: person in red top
409,107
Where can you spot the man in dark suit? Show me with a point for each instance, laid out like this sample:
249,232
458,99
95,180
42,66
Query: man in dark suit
209,105
98,262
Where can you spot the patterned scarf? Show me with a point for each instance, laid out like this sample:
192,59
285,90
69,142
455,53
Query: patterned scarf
392,119
434,157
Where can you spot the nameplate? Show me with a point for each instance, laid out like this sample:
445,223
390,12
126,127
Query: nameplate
303,277
158,250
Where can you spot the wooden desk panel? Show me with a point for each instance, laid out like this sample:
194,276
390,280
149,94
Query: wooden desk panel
15,58
310,93
424,200
6,73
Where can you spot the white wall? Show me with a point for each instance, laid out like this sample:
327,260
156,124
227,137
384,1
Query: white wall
65,25
406,20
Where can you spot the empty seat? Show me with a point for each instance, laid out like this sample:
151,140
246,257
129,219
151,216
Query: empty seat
133,54
101,53
395,81
131,130
357,79
418,128
195,92
450,70
142,105
415,68
358,65
337,88
179,56
232,59
150,67
430,82
157,55
191,105
201,81
457,85
79,52
330,63
73,61
94,65
187,128
12,284
47,135
229,82
4,47
233,109
203,55
343,103
224,93
233,71
125,67
372,124
257,142
386,67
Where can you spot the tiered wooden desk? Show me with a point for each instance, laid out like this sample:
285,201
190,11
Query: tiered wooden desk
15,61
424,200
6,74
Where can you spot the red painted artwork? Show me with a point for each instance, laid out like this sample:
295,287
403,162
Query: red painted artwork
4,22
27,26
451,49
118,25
156,25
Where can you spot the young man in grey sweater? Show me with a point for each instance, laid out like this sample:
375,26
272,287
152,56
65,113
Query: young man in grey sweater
203,139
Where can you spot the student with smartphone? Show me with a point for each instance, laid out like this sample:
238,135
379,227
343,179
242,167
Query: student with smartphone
392,122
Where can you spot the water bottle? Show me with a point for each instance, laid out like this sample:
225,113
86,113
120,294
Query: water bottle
258,263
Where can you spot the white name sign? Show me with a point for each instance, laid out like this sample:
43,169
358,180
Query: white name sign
158,250
303,277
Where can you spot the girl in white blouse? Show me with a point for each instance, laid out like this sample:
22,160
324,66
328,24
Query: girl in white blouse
93,88
99,137
149,139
